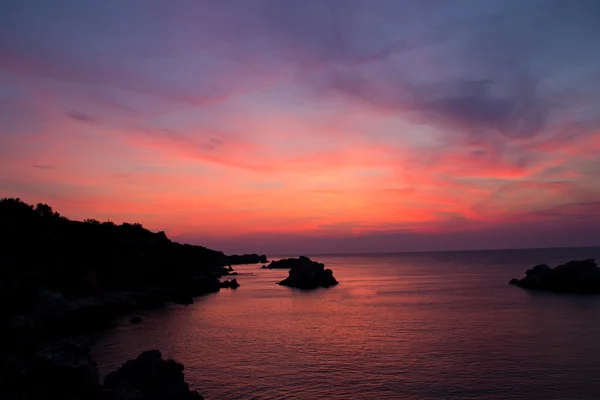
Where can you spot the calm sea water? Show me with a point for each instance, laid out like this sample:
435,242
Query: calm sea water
399,326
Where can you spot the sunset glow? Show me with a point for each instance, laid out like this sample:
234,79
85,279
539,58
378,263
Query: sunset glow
308,126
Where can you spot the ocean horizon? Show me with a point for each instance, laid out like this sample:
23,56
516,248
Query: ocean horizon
418,325
313,254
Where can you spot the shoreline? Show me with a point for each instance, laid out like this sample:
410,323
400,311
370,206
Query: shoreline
61,279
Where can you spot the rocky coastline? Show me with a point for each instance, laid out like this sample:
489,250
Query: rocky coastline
62,279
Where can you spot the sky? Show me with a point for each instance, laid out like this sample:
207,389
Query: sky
325,126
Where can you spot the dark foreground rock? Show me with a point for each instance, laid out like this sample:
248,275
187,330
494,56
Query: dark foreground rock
247,259
65,370
306,274
573,277
148,377
62,370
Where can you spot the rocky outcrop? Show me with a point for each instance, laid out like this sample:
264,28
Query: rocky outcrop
289,263
573,277
148,377
247,259
232,284
305,273
62,370
65,370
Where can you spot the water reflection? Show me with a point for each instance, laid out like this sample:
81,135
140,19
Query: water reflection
421,326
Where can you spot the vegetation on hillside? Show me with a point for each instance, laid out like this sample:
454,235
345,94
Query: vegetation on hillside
41,248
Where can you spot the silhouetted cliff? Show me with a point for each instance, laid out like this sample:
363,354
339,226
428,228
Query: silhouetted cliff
60,277
49,263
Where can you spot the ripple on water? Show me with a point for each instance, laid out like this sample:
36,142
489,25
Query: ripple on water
428,326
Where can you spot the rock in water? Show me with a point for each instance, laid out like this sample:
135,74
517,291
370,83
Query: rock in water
288,263
305,273
572,277
148,377
232,284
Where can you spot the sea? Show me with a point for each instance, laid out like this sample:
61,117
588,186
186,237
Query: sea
440,325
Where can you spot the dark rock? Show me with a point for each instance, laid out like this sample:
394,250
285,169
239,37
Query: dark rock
205,285
288,263
305,273
538,270
221,271
148,377
135,320
69,364
225,284
148,299
573,277
49,305
94,313
56,315
513,281
247,259
181,298
63,370
233,284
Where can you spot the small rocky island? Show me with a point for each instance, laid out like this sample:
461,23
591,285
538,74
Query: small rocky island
573,277
304,273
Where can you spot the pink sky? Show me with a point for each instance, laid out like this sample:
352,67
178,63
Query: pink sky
264,127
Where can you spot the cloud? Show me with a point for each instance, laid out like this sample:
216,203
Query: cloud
44,166
466,105
473,106
82,117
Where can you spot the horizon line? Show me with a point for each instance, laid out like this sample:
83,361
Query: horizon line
439,251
